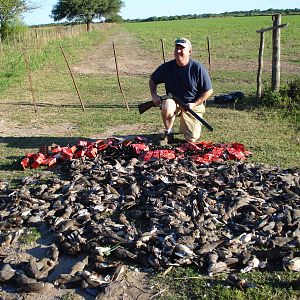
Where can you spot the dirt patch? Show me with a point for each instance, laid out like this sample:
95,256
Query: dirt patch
132,60
10,129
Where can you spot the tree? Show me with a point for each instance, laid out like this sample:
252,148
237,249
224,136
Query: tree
10,12
85,10
114,19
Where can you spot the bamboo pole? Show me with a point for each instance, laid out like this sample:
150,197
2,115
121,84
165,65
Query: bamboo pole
118,77
29,79
163,50
73,79
260,65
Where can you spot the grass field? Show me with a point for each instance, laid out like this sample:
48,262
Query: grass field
272,138
234,43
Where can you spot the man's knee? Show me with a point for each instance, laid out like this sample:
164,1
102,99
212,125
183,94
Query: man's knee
168,104
167,114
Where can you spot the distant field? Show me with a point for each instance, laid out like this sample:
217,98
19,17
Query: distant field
234,46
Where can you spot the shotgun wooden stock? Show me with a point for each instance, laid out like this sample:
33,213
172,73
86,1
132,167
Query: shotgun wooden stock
147,105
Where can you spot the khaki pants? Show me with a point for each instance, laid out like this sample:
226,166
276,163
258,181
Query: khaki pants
189,126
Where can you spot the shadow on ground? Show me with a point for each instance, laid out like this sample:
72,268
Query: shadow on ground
238,104
87,106
37,142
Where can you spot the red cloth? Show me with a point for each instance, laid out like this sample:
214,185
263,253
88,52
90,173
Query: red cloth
202,152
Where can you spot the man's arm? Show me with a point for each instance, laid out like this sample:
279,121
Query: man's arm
153,90
203,97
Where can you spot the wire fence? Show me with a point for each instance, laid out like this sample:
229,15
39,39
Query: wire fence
38,37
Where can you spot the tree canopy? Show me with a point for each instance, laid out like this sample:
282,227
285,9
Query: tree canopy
10,10
85,10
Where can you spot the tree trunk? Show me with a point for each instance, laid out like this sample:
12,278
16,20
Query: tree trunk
88,26
3,29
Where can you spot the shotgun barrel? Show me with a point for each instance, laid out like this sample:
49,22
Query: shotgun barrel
147,105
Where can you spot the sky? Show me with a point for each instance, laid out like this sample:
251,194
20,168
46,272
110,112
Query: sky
142,9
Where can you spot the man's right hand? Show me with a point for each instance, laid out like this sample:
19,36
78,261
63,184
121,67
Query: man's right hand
156,100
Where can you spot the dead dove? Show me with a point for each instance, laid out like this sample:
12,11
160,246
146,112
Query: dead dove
234,281
27,284
78,267
6,272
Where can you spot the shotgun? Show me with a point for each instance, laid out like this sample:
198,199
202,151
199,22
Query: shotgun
147,105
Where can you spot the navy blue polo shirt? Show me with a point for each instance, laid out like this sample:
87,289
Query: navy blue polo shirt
187,83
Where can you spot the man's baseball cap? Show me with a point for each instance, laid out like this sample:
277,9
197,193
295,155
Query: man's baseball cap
184,43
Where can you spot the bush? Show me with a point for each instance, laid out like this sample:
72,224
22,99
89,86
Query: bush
288,96
287,100
12,27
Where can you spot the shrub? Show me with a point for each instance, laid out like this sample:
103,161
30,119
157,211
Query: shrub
12,27
288,96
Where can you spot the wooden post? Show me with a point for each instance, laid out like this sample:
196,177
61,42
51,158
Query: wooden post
29,79
276,53
77,90
163,50
15,40
118,77
1,47
209,55
260,65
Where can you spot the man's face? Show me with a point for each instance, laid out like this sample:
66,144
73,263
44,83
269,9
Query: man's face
182,54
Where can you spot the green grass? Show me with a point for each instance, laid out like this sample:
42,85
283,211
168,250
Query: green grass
30,236
187,284
233,40
230,37
12,64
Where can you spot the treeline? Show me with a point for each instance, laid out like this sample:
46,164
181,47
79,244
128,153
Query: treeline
254,12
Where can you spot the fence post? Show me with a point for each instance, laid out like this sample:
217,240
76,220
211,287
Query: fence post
276,53
163,49
260,65
72,76
209,55
1,47
118,77
29,79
